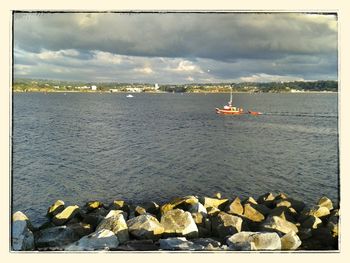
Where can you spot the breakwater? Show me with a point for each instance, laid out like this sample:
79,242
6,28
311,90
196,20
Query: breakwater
271,222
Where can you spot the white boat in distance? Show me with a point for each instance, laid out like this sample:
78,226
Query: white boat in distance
129,96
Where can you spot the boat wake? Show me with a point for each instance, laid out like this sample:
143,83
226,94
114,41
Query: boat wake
301,114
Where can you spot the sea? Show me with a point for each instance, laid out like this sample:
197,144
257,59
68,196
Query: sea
79,147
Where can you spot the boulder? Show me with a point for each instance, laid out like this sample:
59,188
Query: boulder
100,240
290,241
120,205
266,199
324,236
55,208
67,214
99,211
115,222
235,207
217,195
311,222
318,211
252,214
149,207
197,208
177,222
81,229
183,203
213,211
138,245
22,236
276,223
225,224
325,202
92,205
283,202
215,202
296,204
207,243
263,209
92,219
145,226
281,196
254,241
55,237
249,200
284,213
178,243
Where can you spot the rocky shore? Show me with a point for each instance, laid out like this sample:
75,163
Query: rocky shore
269,223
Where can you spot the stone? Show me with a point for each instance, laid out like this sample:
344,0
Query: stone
177,222
290,241
92,205
296,204
145,226
81,229
217,195
318,211
252,214
281,196
263,209
67,214
99,211
283,202
324,236
54,237
178,243
304,233
213,211
183,203
149,207
115,222
22,236
235,207
207,243
276,223
249,200
214,202
325,202
254,241
55,208
266,199
197,208
120,205
92,219
283,212
311,222
225,224
138,245
99,240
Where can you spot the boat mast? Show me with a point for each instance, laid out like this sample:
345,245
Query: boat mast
231,96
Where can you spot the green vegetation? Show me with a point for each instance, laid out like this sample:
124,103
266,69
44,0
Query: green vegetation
34,85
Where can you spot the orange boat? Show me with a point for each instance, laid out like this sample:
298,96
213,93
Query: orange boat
229,109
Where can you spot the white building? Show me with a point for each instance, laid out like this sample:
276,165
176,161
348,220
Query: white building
93,87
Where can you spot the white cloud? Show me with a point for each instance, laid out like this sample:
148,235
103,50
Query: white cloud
106,57
145,70
261,77
49,55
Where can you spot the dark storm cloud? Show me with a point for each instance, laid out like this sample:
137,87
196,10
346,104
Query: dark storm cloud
178,46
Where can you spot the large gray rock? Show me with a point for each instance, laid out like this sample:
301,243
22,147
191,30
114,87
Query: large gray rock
115,222
276,223
67,214
311,222
225,224
148,207
55,237
178,243
207,243
184,203
138,245
254,241
177,222
266,199
92,205
197,208
290,241
100,240
252,213
214,202
120,205
22,236
318,211
284,212
145,227
55,208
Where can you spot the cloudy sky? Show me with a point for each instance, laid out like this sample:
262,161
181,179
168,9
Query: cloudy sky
175,47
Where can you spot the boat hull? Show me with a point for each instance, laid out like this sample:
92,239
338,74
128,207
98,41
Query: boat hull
229,112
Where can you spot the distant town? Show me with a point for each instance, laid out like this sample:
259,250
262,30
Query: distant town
39,85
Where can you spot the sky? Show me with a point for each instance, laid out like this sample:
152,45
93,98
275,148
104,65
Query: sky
175,48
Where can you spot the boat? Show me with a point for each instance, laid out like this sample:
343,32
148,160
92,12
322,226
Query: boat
232,110
129,96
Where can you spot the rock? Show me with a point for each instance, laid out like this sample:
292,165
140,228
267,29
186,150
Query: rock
178,243
290,241
100,240
252,214
225,224
276,223
266,199
318,211
217,195
254,241
281,196
249,200
263,209
92,219
55,237
311,222
304,233
213,211
81,229
55,208
138,245
324,236
22,236
214,202
325,202
145,227
115,222
235,207
197,208
92,205
283,202
177,222
149,207
207,243
183,203
99,211
296,204
120,205
67,214
284,213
